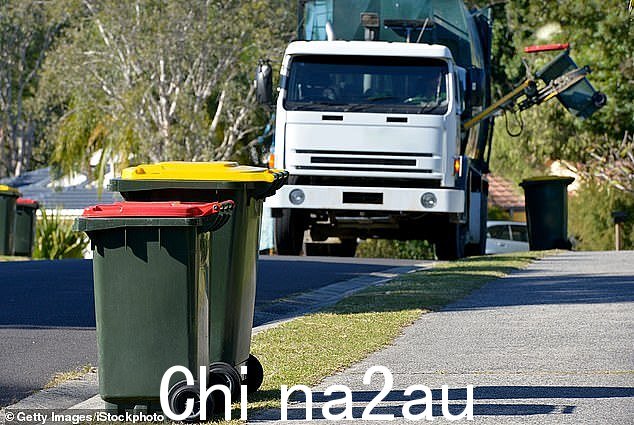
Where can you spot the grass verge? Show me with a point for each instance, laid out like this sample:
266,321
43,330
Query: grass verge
310,348
4,258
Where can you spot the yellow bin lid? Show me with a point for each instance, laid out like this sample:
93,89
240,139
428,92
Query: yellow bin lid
7,189
210,171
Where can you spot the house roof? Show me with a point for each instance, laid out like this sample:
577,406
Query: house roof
38,185
504,193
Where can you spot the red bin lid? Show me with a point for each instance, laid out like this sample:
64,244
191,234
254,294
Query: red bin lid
28,202
155,209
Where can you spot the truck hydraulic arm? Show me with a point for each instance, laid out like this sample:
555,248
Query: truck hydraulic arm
528,94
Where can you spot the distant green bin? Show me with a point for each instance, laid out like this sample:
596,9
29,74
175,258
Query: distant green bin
234,249
25,226
8,198
151,267
547,212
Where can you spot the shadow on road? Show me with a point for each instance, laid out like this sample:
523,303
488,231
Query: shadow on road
47,294
11,393
566,393
563,289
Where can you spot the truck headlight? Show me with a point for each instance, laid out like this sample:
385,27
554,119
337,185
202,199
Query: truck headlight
428,200
296,196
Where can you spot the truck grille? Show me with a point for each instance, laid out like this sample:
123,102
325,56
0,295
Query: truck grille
394,170
373,153
362,161
363,181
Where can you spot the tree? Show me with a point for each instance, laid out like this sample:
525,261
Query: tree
156,80
599,33
27,29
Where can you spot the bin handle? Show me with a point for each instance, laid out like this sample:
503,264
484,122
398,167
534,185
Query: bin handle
280,178
222,216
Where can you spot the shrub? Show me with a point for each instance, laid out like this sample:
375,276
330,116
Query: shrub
590,216
497,213
56,239
385,248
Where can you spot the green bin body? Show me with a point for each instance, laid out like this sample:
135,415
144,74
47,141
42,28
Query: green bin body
8,198
234,253
25,222
547,212
151,302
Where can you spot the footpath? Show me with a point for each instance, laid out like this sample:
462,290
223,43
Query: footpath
550,344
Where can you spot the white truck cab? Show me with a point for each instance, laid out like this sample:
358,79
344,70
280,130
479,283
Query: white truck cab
370,133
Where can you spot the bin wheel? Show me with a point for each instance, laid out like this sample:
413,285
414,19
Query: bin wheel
221,373
177,399
255,374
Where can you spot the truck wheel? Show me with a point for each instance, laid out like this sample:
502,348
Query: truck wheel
289,232
451,245
348,247
480,248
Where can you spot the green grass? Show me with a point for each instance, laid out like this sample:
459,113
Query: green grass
310,348
62,377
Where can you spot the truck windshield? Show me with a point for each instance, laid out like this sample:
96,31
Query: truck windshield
367,84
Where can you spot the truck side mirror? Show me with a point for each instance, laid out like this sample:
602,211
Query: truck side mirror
461,89
264,83
475,86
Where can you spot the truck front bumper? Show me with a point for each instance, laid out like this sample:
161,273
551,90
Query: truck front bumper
368,199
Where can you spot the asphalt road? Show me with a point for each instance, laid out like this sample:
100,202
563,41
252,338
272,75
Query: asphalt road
47,320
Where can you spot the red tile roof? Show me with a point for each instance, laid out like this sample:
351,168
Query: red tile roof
504,193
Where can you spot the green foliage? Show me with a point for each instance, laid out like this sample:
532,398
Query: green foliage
55,239
497,213
27,29
590,216
386,248
160,80
596,31
600,34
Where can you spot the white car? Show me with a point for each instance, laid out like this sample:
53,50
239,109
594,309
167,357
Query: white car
506,236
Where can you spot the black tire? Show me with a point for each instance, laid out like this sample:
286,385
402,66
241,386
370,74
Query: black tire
177,399
221,373
475,249
348,247
289,232
255,374
451,244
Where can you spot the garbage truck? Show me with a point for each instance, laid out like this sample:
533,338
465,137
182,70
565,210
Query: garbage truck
384,119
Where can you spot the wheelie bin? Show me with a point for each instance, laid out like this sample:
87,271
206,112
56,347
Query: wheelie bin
8,197
547,212
151,267
25,225
234,249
